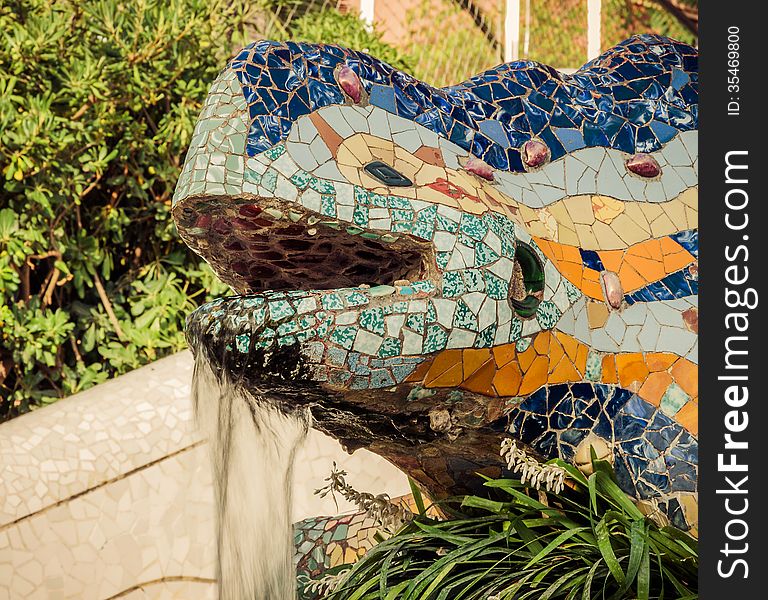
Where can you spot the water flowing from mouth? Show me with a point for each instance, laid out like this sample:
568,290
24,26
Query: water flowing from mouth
253,444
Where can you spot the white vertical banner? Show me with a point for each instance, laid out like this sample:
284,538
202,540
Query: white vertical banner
512,30
593,28
367,12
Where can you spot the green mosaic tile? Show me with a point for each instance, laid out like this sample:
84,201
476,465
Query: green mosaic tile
473,280
252,176
473,226
453,284
495,287
322,186
523,344
269,179
361,196
301,179
571,291
401,215
360,216
594,370
377,200
280,310
328,205
444,224
423,286
431,313
390,347
381,290
265,340
274,152
332,301
547,314
242,342
442,259
399,202
415,322
486,337
356,298
344,336
464,318
484,255
372,319
324,324
673,400
259,315
288,327
307,334
436,339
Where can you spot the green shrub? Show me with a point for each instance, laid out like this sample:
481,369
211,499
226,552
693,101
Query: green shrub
587,542
97,103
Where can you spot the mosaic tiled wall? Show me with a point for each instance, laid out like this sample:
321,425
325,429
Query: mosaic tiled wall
108,494
434,269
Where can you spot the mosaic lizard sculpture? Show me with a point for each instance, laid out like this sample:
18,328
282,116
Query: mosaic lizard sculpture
432,270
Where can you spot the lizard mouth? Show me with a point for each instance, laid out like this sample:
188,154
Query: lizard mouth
273,245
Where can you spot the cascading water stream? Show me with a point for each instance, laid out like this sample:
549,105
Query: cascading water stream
253,444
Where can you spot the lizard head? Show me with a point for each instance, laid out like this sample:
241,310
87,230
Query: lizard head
359,241
428,267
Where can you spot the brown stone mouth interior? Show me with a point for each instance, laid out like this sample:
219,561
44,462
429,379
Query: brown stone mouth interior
253,250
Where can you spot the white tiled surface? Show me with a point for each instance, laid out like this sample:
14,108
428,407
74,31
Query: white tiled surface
107,494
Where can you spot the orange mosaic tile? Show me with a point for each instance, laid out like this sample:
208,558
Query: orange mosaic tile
481,381
655,386
688,417
473,359
659,361
632,370
637,266
442,362
555,357
609,369
507,380
686,375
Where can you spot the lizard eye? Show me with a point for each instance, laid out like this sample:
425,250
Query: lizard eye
527,288
386,174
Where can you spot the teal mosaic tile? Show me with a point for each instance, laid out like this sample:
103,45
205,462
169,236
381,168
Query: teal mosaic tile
547,314
415,322
269,180
390,347
474,227
523,344
332,301
464,318
372,319
594,369
495,287
280,310
356,298
453,284
344,336
436,339
673,400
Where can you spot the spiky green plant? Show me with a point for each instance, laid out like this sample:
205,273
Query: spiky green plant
589,541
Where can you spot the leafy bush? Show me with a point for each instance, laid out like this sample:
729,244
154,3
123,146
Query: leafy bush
587,542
